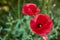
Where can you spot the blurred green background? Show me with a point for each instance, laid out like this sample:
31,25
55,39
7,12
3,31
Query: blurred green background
15,26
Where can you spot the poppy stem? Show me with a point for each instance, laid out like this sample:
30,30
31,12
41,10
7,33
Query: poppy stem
45,37
19,9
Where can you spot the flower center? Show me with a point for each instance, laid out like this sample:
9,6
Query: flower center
39,25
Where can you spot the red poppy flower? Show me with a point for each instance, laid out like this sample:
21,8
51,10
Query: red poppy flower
41,24
30,9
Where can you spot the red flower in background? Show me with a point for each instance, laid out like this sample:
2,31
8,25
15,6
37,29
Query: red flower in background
30,9
41,25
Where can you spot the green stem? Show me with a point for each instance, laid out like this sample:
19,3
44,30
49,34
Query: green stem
49,6
43,6
19,9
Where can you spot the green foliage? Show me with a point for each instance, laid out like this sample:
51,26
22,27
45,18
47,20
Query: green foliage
15,26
